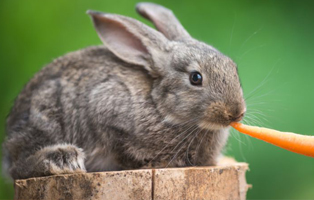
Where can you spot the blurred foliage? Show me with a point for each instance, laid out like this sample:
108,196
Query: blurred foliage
271,41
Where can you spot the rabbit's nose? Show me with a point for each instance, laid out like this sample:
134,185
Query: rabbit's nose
237,118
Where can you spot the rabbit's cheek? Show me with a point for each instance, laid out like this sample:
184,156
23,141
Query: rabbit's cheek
168,107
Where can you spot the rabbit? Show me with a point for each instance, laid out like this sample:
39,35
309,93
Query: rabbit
145,99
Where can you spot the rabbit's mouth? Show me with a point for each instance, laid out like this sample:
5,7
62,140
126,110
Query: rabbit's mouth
219,115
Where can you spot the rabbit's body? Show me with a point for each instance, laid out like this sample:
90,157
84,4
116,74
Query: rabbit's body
98,109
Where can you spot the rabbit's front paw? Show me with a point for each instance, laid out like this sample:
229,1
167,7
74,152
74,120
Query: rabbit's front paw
62,159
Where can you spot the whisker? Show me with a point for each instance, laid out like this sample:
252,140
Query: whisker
250,37
250,50
181,124
199,145
236,136
188,149
180,148
232,30
255,121
256,114
184,138
262,83
249,141
170,143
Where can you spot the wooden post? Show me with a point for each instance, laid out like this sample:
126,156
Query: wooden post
220,182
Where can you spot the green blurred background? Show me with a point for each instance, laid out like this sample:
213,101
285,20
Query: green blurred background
271,41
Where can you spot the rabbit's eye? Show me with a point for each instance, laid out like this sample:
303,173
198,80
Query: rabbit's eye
196,78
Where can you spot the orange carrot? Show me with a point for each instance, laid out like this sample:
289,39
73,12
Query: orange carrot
302,144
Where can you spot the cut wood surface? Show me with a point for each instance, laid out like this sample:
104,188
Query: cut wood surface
226,181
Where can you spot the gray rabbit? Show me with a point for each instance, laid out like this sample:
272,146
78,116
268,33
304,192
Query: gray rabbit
146,99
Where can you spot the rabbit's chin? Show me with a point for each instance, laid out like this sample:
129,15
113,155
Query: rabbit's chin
212,126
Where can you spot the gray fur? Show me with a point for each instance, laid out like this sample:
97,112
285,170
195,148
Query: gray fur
105,108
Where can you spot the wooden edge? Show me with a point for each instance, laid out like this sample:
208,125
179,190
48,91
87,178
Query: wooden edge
226,181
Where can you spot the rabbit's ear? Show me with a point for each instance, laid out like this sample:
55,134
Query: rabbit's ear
130,40
164,20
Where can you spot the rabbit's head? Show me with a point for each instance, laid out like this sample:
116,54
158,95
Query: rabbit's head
192,81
